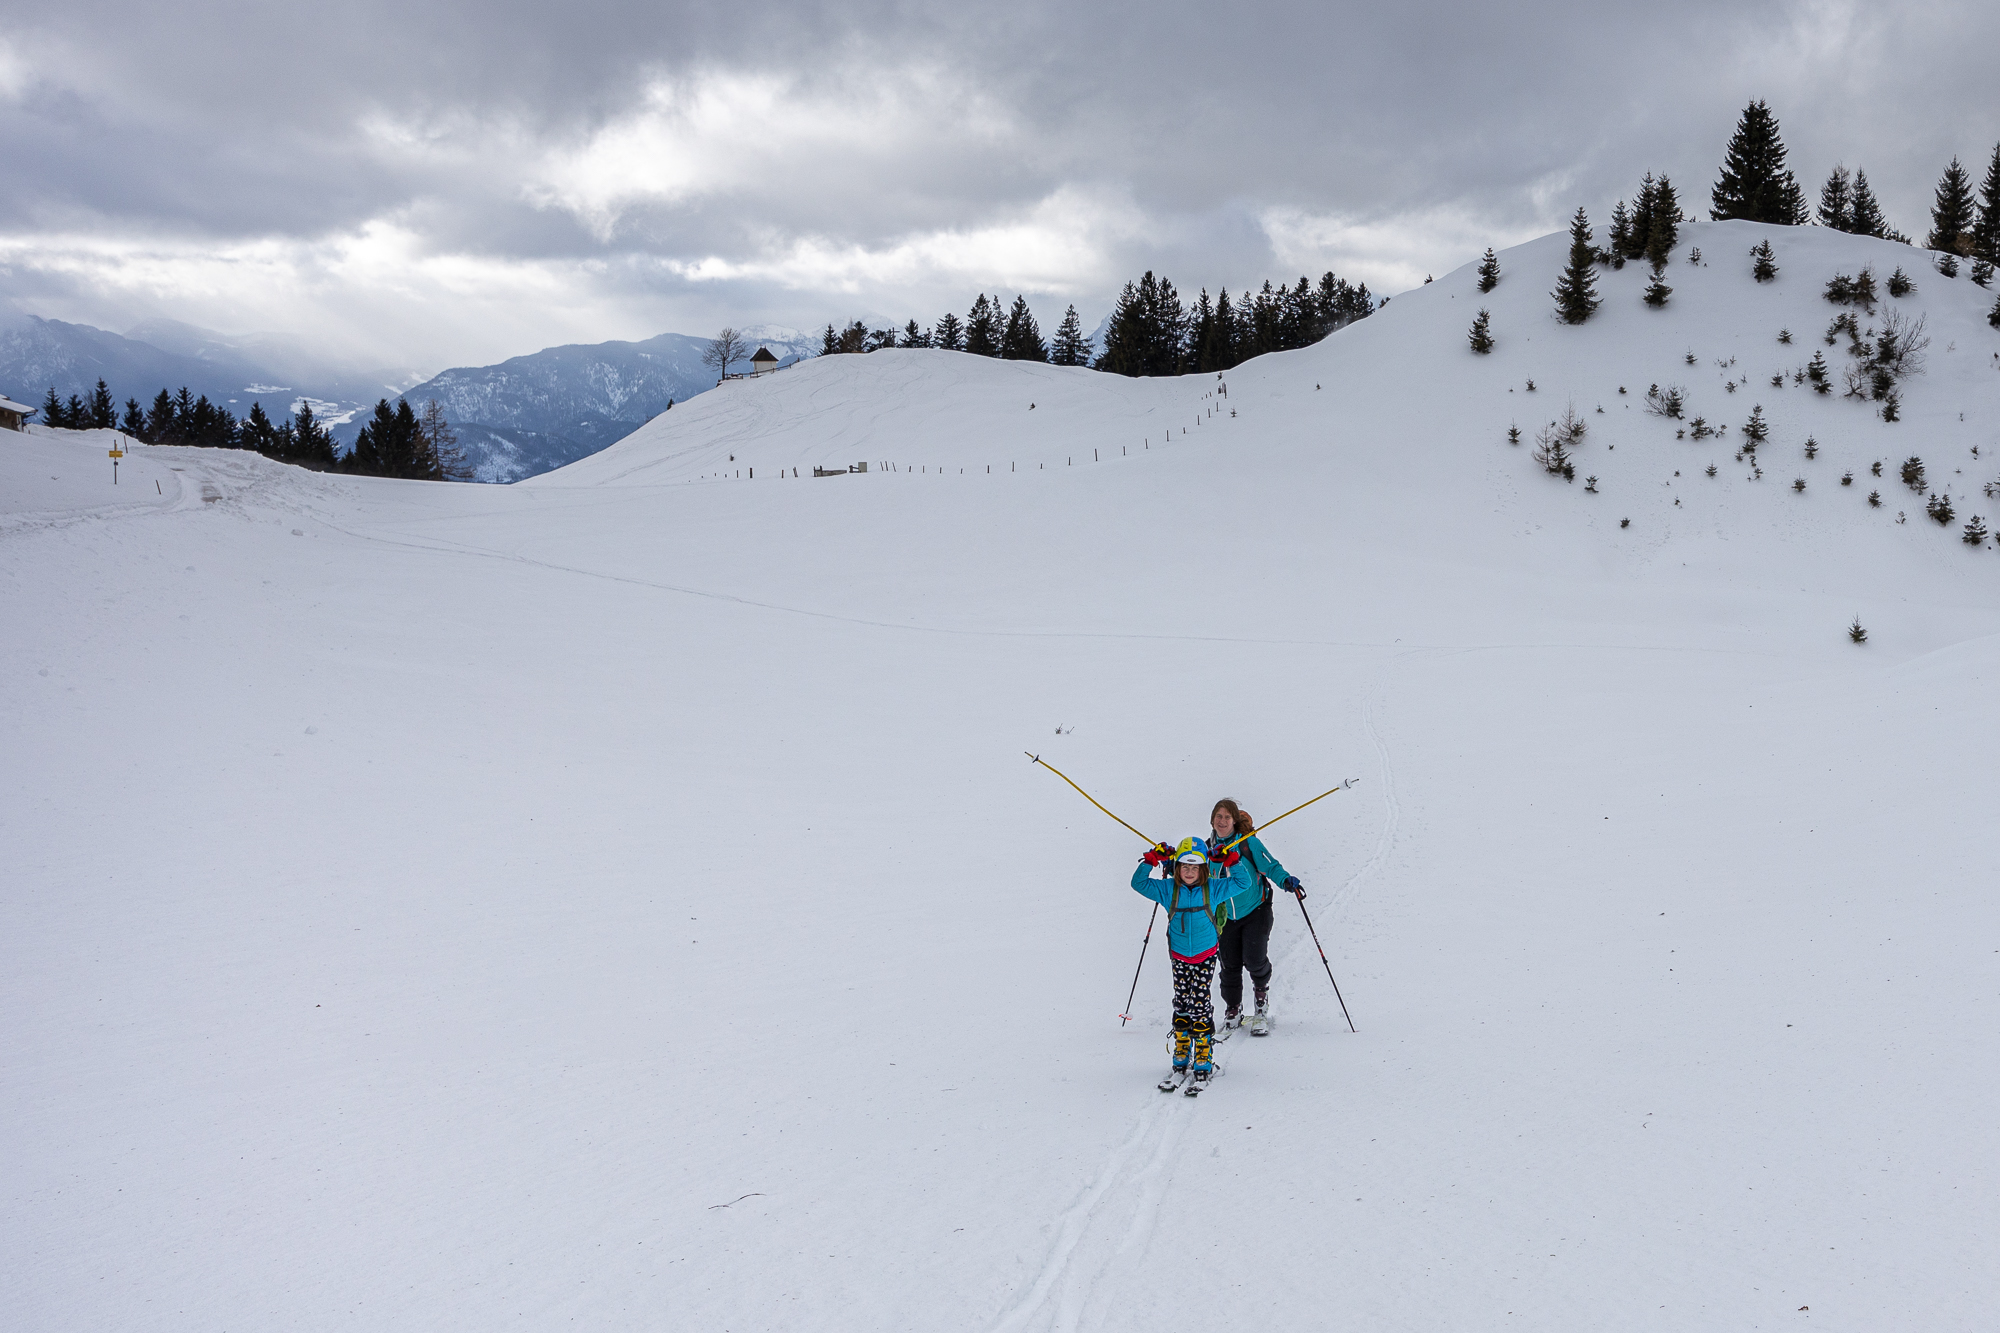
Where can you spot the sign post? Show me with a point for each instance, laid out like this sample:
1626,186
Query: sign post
116,454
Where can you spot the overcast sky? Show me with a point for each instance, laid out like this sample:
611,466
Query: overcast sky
438,184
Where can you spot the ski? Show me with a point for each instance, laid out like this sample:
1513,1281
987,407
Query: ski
1173,1080
1260,1025
1196,1083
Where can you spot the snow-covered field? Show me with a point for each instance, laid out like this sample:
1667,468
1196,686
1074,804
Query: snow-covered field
622,900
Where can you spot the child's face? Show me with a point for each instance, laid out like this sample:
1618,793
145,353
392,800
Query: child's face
1190,872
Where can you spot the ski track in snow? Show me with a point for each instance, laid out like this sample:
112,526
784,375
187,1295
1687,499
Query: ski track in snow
1112,1220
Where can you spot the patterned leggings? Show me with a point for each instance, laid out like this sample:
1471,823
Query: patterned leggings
1192,1009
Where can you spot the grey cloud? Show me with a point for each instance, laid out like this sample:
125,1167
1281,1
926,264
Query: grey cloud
238,123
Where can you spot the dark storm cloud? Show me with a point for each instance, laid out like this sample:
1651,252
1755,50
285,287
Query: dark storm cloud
459,181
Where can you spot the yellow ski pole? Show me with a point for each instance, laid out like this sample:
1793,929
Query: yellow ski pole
1125,1015
1267,823
1150,842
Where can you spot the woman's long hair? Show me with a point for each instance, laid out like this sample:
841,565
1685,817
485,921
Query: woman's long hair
1244,824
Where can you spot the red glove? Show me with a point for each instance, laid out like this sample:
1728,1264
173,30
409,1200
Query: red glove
1154,857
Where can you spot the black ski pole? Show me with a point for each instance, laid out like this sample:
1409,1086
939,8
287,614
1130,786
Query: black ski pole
1151,917
1322,958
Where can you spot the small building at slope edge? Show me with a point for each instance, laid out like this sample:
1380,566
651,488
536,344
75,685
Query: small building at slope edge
13,415
763,362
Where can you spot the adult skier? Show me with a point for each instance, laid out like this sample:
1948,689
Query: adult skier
1196,906
1246,939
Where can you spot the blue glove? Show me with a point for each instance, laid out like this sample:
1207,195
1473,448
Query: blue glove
1292,885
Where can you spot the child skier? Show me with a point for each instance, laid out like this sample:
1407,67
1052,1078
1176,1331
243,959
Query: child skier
1195,912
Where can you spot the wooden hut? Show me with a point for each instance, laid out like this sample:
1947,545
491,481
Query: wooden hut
13,415
763,363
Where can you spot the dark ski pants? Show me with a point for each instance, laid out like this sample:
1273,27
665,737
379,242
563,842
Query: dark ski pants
1193,1010
1246,943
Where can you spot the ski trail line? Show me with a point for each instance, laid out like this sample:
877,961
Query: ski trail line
1076,1221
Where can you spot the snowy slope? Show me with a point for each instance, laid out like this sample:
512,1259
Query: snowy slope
621,899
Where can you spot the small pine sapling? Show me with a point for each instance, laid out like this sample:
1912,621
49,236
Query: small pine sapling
1892,406
1784,336
1874,499
1756,430
1912,473
1590,485
1711,469
1798,483
1847,477
1481,336
1624,522
1993,315
1513,434
1975,531
1700,429
1766,267
1855,633
1489,271
1812,448
1982,272
1864,288
1816,372
1690,356
1694,256
1778,380
1657,290
1665,402
1939,508
1900,284
1947,264
1531,386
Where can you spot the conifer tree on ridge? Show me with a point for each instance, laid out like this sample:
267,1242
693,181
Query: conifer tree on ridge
1755,184
1951,214
1576,291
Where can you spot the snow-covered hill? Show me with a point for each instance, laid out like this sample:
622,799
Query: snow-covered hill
622,899
530,414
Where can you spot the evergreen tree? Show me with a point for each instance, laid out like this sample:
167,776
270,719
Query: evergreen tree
76,413
1619,237
1071,348
948,333
1663,226
830,344
184,422
375,444
1576,291
1986,231
1481,335
160,420
1993,315
1792,203
1489,269
53,412
1640,230
1218,349
982,328
1201,332
1754,183
1951,214
312,444
1148,328
1766,267
1865,215
1657,290
1022,340
103,411
1836,201
258,433
914,336
135,420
